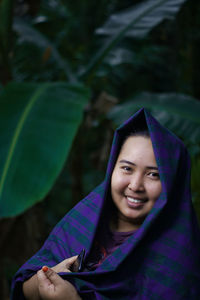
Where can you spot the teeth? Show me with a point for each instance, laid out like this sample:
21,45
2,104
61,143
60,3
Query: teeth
134,200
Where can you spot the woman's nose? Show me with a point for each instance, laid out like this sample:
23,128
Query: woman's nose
136,183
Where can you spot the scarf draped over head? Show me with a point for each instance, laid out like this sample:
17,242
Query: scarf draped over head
161,260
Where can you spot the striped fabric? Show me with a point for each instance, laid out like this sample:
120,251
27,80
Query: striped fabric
160,261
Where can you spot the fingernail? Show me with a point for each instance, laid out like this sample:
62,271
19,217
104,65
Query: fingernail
45,268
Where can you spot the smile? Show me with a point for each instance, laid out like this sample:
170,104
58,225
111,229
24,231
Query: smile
133,200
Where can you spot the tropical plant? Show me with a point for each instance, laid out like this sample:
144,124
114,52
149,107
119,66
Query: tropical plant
38,122
48,50
50,47
178,112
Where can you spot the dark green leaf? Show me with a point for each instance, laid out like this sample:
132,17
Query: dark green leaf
138,21
37,125
141,18
179,112
30,34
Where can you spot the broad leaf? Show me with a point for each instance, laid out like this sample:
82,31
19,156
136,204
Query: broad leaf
30,34
179,112
140,18
37,125
136,21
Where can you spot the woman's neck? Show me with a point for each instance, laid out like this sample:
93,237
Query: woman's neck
122,225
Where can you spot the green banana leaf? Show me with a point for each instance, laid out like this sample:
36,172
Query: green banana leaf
136,22
37,125
144,16
179,112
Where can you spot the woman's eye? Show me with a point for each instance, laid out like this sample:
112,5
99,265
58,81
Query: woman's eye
154,175
126,168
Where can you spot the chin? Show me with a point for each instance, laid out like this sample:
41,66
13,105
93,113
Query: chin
134,218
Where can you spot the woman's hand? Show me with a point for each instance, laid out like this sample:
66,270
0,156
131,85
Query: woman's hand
52,287
64,266
30,287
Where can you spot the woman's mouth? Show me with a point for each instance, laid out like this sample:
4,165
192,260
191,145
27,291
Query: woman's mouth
135,202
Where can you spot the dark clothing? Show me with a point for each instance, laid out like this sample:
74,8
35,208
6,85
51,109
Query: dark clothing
107,243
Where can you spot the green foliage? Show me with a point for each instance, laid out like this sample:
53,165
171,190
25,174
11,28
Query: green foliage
121,47
38,123
62,42
135,22
138,20
31,35
179,112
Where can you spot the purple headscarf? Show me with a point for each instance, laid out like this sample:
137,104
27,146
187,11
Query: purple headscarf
161,260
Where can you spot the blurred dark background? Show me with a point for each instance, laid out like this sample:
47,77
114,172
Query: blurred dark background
155,63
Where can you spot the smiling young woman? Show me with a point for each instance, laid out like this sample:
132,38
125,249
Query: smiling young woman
138,228
135,182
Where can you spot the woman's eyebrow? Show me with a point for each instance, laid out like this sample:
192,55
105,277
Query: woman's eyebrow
127,162
132,164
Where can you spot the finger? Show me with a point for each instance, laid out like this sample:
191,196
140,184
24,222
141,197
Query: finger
43,280
53,277
70,261
45,286
64,266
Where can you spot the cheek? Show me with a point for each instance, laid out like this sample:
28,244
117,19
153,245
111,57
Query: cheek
154,190
118,182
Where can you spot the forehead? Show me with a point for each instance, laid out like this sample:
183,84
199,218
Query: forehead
137,148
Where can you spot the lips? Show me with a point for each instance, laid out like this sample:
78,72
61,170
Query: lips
135,202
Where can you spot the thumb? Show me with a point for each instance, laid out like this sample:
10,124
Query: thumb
70,261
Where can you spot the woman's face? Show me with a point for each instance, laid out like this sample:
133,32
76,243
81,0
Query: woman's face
135,183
